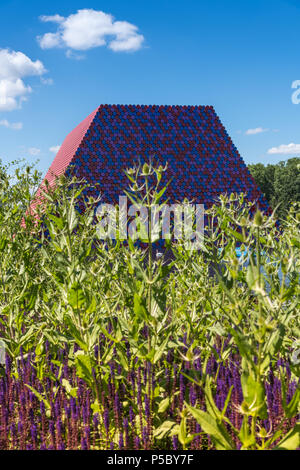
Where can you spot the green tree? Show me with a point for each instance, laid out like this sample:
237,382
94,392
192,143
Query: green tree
280,183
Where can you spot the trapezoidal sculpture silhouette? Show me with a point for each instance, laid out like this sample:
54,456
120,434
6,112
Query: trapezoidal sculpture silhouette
202,159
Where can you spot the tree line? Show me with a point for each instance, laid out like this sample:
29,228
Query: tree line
280,183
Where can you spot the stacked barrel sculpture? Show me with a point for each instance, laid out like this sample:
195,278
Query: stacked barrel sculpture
202,159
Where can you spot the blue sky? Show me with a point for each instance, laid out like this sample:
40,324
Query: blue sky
242,57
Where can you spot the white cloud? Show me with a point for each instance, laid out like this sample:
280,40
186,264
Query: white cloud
89,28
16,126
34,151
14,66
289,149
50,40
47,81
12,94
74,55
52,19
257,130
54,149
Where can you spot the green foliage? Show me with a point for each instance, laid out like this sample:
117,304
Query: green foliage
59,283
280,183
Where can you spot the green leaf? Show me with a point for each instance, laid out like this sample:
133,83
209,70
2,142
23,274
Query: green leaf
108,355
182,432
295,242
291,440
245,436
73,220
252,276
158,354
164,429
76,296
164,405
212,409
83,366
272,346
72,391
39,349
139,307
227,401
75,333
236,235
3,244
159,195
39,396
293,407
245,349
92,305
212,428
254,396
96,407
58,221
122,358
